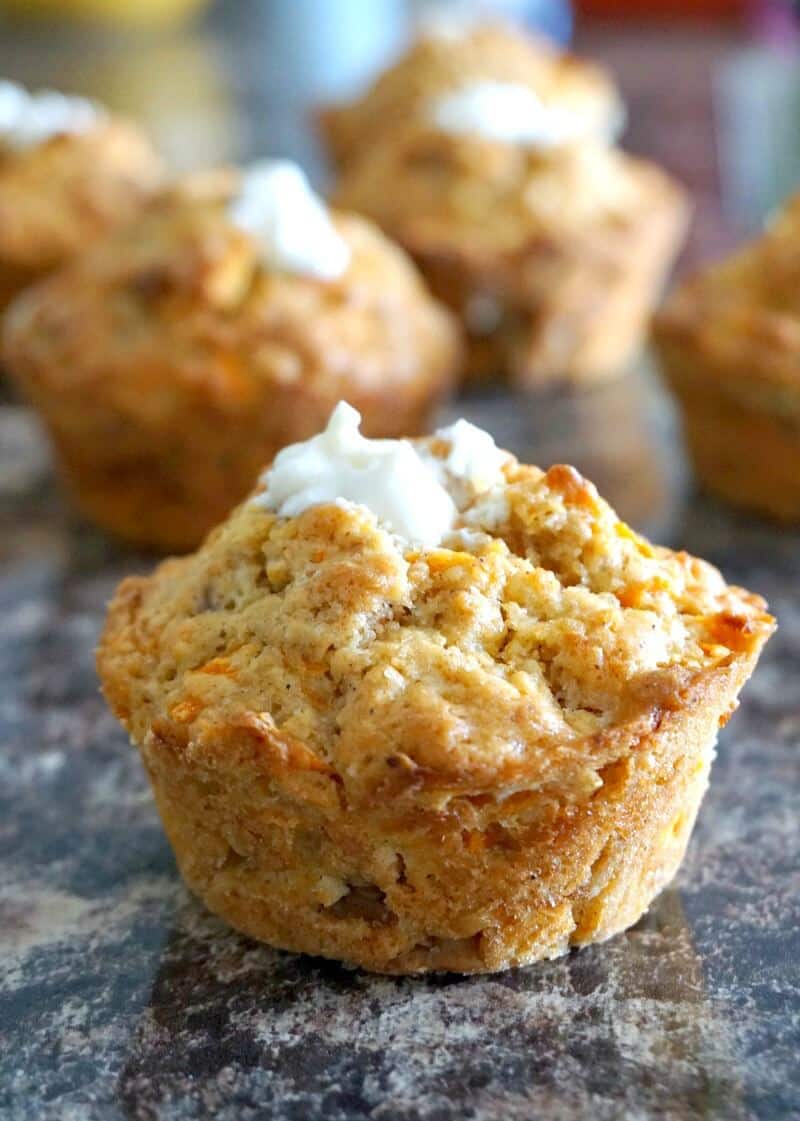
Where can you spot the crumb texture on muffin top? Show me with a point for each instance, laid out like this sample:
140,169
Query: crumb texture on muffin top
525,650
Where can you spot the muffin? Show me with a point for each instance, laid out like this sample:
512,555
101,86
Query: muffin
68,174
551,253
729,344
446,57
459,734
171,362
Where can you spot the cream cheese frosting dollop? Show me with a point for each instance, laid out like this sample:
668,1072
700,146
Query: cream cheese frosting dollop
414,495
474,457
290,224
509,112
29,119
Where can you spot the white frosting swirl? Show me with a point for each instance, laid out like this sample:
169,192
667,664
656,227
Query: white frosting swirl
29,119
414,494
276,206
508,112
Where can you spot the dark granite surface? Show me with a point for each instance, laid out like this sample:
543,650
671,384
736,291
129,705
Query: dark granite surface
121,998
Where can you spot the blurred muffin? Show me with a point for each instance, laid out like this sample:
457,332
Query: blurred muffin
447,57
463,734
68,174
552,253
173,361
729,344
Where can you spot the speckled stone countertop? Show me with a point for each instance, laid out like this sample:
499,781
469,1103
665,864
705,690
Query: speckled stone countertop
120,997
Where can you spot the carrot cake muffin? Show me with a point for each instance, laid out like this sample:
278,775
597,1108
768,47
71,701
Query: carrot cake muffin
416,706
174,360
552,252
68,174
449,55
729,343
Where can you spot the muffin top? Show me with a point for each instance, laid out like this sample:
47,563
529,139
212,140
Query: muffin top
448,58
743,314
227,284
68,172
451,622
485,197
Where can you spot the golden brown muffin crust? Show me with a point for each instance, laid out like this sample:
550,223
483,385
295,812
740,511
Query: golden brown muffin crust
464,757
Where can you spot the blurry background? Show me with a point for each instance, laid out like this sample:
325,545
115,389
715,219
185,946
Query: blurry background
713,86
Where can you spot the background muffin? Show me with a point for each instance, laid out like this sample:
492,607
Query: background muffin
465,751
68,174
552,254
447,58
173,361
729,342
